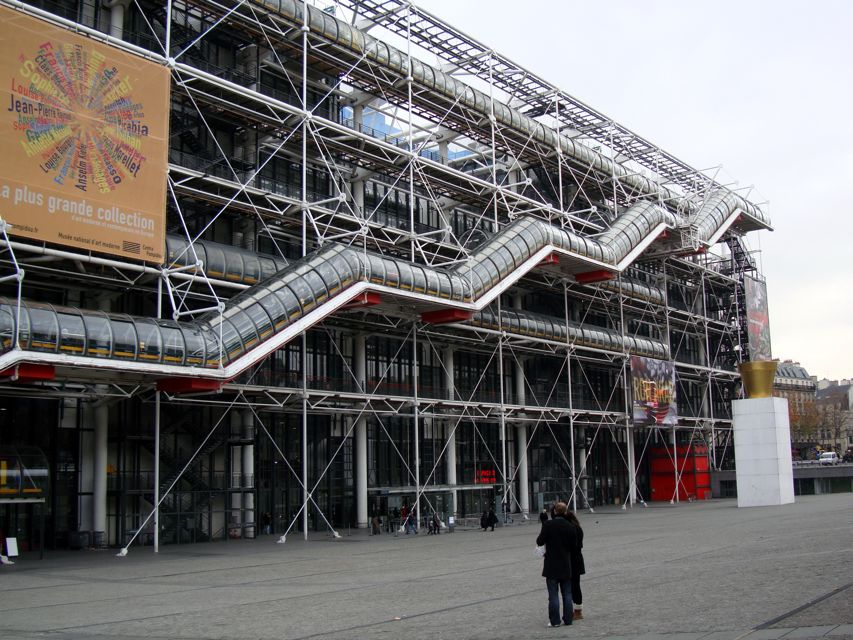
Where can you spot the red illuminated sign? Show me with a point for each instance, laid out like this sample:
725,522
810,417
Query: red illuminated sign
484,476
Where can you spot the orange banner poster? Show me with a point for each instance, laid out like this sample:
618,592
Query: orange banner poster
84,140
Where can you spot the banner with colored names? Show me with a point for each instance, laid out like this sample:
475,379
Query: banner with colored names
84,139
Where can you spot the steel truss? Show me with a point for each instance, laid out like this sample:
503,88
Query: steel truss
463,170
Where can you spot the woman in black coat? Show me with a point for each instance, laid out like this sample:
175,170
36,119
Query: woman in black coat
558,536
578,568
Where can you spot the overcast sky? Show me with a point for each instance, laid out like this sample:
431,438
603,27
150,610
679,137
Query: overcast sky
764,89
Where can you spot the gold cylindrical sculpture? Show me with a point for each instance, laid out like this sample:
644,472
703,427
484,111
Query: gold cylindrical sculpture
758,377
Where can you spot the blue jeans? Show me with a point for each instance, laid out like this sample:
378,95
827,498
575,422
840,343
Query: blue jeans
554,589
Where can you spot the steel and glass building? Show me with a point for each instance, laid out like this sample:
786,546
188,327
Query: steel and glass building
400,269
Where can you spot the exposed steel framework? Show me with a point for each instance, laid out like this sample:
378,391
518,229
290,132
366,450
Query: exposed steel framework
526,228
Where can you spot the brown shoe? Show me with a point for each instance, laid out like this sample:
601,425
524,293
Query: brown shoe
577,615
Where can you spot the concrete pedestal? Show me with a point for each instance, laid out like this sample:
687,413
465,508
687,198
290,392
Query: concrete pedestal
765,475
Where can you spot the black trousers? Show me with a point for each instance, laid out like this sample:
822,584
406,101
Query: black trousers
577,596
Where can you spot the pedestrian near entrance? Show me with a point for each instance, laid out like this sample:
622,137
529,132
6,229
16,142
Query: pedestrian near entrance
559,538
484,520
578,566
493,519
543,517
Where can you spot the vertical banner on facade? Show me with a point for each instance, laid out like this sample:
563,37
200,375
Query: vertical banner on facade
757,319
654,391
84,138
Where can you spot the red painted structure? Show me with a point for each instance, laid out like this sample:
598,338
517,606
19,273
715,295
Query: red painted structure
692,462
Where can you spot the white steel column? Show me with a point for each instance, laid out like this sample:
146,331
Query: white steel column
521,431
674,498
357,185
305,29
99,476
117,9
248,475
360,369
450,450
416,412
632,466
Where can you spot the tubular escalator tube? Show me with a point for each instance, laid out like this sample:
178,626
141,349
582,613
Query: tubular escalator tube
232,346
261,319
432,286
317,285
212,346
7,325
125,339
234,268
149,347
99,339
174,349
407,276
718,206
420,281
326,270
195,345
44,334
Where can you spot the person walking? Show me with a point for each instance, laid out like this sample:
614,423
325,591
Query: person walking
578,567
484,520
493,519
543,517
559,538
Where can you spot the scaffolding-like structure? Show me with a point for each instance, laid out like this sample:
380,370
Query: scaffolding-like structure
402,270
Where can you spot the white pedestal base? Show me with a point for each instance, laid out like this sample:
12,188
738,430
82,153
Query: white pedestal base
765,475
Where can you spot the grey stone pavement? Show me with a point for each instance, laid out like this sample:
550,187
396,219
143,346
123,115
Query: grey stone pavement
692,571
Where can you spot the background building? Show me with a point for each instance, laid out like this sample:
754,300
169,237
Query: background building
794,383
399,270
834,402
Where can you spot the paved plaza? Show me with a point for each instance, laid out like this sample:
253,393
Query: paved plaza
696,570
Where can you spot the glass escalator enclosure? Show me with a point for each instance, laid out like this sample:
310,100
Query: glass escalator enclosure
275,310
173,342
432,287
124,337
289,299
303,293
45,327
72,333
7,324
212,345
406,275
261,320
376,268
328,272
149,341
99,339
317,286
234,265
445,286
231,343
420,280
194,341
392,273
24,474
179,255
266,268
215,265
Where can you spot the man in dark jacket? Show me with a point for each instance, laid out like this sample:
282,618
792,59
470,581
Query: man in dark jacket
558,536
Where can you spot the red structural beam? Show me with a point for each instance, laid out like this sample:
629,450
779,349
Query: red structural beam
366,299
29,372
443,316
599,275
550,259
188,385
